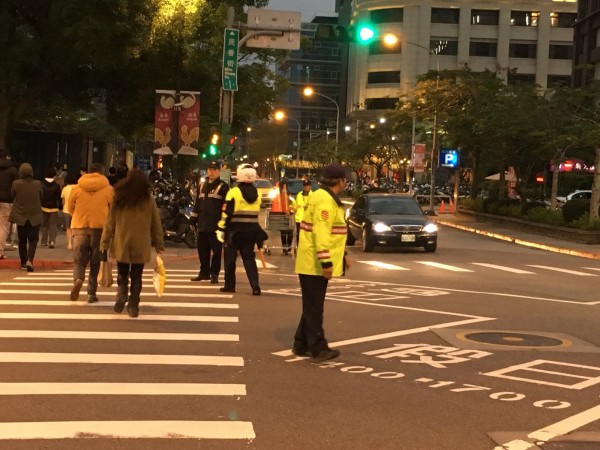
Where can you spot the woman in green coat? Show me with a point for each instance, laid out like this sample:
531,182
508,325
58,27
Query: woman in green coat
133,227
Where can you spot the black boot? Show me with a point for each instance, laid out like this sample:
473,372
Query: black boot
121,299
132,307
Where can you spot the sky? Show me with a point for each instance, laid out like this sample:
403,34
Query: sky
308,8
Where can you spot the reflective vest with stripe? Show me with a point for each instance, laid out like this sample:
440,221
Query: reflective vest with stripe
299,205
243,212
322,235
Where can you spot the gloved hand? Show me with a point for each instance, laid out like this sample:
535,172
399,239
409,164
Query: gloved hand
104,256
221,236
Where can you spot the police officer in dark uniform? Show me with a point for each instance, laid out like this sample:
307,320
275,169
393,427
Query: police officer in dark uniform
206,215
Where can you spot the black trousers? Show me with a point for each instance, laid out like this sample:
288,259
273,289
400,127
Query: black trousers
245,246
207,243
310,335
134,272
287,238
28,239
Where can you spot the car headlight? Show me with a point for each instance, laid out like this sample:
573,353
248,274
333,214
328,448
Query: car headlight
273,193
430,228
380,227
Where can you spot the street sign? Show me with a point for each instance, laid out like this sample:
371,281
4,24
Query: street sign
288,22
231,39
449,158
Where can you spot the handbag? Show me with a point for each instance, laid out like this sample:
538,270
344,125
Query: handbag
105,276
159,277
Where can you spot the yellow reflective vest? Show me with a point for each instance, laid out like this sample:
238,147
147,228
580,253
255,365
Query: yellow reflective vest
237,211
299,205
322,235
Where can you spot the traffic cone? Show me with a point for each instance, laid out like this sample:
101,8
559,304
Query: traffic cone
451,208
276,205
442,207
285,200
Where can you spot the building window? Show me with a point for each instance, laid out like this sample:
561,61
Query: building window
562,20
379,48
486,49
444,15
558,80
522,51
484,17
381,103
560,51
524,18
443,47
383,77
521,78
387,15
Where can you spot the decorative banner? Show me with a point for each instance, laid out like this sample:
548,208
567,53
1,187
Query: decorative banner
163,121
419,158
189,130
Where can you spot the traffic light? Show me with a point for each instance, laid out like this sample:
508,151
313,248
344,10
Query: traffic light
213,147
361,34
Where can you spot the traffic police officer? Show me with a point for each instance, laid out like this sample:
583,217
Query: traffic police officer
239,228
299,204
206,215
321,255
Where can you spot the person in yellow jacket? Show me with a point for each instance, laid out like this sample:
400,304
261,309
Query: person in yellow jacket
321,256
239,230
299,204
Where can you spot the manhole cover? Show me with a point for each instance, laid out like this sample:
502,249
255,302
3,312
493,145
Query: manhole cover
513,339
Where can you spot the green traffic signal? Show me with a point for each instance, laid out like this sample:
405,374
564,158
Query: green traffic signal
213,149
365,33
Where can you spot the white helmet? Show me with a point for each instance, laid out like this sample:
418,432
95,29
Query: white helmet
246,173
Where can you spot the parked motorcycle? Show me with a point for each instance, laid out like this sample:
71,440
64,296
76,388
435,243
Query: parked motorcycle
175,208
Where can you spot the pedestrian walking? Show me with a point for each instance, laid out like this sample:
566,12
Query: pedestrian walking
206,216
112,175
132,229
299,205
321,256
239,228
89,202
70,181
27,214
50,204
8,174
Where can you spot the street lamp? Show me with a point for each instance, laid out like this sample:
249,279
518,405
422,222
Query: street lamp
391,40
249,131
308,91
279,116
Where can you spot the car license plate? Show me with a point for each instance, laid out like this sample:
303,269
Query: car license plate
407,238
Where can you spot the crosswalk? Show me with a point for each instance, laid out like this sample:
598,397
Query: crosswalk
527,269
69,350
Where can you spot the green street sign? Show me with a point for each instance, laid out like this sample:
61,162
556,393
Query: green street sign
230,59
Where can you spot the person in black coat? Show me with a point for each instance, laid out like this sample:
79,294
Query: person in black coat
50,206
8,174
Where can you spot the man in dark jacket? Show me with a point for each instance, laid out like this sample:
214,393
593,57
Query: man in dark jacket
50,204
206,216
8,174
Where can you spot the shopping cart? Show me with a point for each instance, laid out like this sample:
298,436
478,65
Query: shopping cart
280,221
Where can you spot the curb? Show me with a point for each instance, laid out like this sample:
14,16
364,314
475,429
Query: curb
504,237
15,264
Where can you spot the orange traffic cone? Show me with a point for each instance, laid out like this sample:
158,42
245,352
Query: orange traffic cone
442,207
276,205
451,208
285,200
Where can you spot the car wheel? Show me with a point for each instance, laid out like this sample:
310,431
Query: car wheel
430,248
367,245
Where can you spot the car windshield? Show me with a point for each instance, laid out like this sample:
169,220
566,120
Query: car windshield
262,184
394,206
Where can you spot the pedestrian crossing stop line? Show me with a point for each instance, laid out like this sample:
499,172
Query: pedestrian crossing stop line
163,429
112,294
570,272
70,303
144,317
115,335
148,285
443,266
120,358
186,389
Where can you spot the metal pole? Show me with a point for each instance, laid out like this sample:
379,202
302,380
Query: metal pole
298,150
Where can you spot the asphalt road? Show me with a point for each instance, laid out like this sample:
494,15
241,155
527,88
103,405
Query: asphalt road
481,344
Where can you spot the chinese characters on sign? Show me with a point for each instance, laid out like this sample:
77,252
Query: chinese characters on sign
230,59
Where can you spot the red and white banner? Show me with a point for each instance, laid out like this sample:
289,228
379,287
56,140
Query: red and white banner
163,121
419,158
189,125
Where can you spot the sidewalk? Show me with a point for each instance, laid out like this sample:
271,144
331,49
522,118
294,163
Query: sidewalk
473,224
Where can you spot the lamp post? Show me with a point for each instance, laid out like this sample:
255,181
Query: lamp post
280,115
308,91
249,131
390,40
